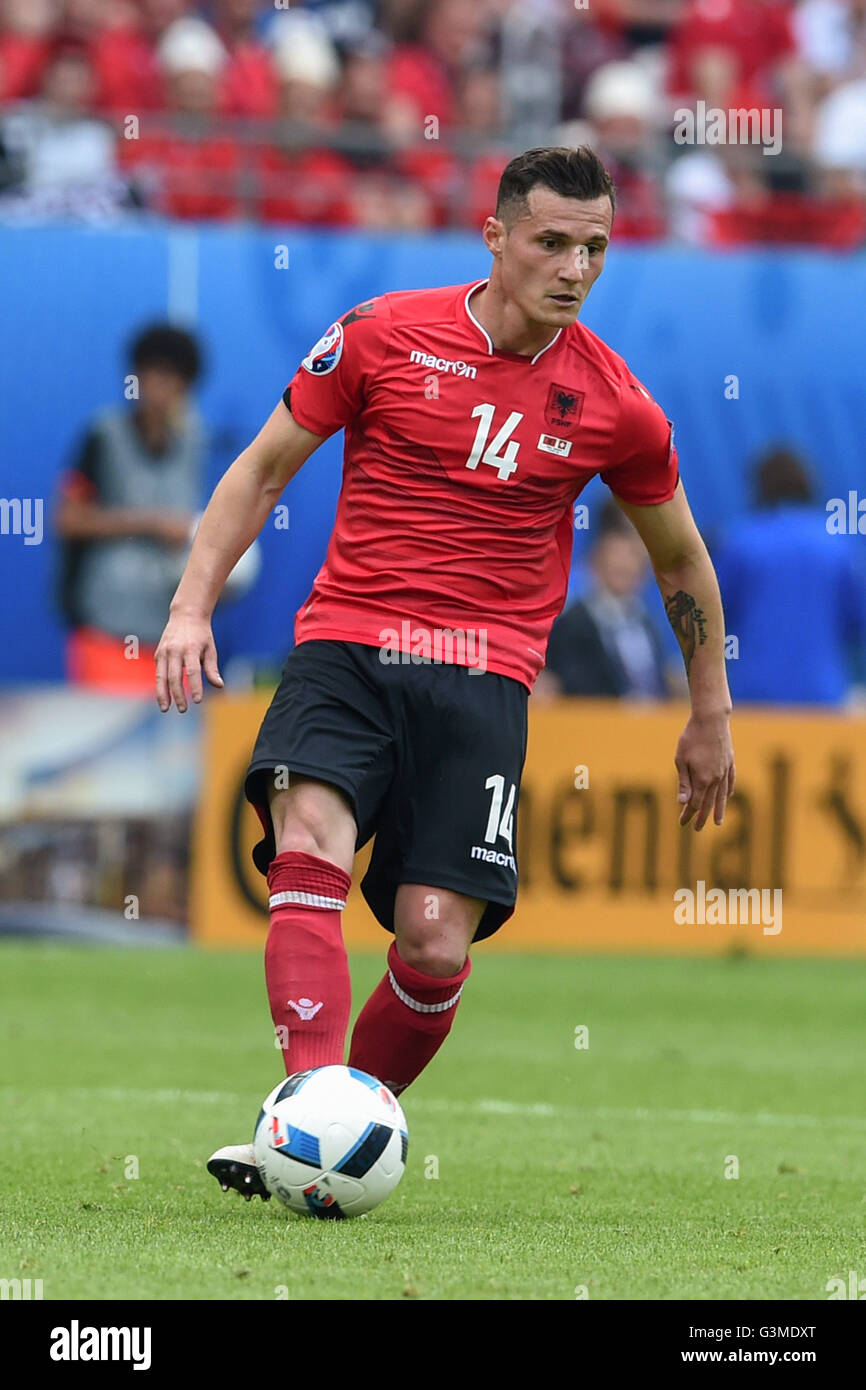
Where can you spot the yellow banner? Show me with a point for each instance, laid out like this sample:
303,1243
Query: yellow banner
604,865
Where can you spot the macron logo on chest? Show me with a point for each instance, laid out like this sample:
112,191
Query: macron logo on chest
442,364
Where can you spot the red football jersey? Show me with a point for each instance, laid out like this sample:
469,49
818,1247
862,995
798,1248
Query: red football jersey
461,466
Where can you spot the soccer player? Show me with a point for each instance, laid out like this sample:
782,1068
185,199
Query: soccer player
474,415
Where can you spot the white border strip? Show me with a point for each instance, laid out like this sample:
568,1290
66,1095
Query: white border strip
423,1008
306,900
488,339
469,292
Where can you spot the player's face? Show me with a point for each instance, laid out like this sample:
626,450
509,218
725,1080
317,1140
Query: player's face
551,257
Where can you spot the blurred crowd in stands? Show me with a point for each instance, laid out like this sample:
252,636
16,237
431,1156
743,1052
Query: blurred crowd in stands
401,113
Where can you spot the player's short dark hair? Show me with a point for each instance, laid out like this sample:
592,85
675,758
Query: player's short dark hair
162,345
781,475
574,173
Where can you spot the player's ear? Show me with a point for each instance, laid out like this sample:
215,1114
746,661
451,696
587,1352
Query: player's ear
494,234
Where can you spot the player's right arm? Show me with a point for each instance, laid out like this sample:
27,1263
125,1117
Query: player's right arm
242,501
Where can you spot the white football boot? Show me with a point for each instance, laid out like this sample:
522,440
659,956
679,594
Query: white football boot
235,1167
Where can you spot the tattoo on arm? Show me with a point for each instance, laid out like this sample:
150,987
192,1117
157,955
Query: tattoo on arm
688,622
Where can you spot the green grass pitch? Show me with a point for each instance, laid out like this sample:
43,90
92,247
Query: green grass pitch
536,1169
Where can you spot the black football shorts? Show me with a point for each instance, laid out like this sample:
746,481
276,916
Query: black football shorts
428,755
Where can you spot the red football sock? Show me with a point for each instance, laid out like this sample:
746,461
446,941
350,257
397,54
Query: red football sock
404,1022
306,969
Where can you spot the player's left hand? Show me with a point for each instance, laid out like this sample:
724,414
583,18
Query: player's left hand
705,763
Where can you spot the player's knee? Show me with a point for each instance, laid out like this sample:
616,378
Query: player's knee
314,820
441,957
433,928
303,827
303,839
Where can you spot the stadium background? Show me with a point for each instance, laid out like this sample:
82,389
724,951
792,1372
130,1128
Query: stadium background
250,172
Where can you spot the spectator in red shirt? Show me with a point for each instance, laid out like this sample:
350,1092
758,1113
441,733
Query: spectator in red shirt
302,182
368,103
723,49
394,184
188,172
480,115
129,78
479,102
25,42
193,60
422,76
621,102
363,87
249,82
308,73
588,41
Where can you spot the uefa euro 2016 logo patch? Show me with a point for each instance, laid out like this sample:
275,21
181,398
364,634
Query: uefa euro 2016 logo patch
324,357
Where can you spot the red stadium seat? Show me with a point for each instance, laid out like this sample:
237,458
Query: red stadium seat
481,186
438,174
756,38
416,74
308,186
22,59
639,227
129,78
794,220
187,178
249,85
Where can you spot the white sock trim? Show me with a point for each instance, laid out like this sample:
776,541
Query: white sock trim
306,900
417,1005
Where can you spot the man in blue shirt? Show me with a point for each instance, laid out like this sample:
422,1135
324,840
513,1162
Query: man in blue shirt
794,594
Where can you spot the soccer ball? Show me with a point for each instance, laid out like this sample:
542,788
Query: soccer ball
331,1142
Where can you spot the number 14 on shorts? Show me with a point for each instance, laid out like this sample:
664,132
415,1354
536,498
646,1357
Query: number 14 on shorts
499,821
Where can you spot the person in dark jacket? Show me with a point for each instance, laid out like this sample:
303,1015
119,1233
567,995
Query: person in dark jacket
606,643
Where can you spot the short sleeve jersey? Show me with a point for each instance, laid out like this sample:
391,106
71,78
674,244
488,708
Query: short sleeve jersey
462,463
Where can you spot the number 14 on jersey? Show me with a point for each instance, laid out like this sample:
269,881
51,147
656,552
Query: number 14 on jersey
501,452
